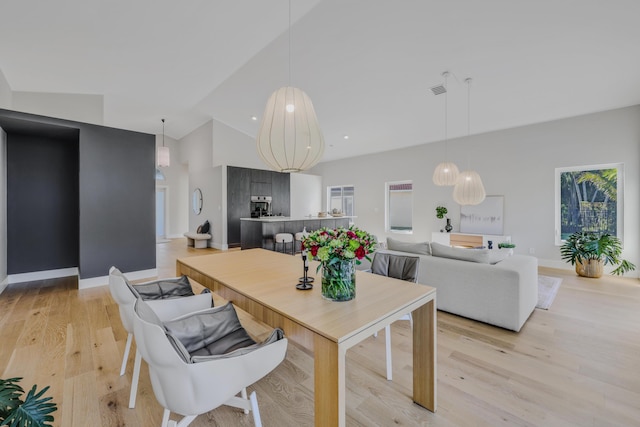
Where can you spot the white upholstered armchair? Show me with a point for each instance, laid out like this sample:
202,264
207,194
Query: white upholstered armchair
203,360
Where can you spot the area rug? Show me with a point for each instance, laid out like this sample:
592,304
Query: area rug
547,289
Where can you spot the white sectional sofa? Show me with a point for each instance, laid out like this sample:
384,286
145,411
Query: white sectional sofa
490,286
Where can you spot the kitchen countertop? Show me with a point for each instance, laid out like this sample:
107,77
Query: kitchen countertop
288,218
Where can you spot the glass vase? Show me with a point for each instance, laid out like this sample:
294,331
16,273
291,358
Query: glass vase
339,279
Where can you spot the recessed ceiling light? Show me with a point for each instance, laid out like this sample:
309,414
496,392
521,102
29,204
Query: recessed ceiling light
346,137
254,118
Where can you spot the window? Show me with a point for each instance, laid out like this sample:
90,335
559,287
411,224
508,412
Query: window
341,198
589,198
399,198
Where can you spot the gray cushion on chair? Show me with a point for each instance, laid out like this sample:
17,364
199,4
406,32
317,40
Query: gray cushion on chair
396,266
208,332
165,288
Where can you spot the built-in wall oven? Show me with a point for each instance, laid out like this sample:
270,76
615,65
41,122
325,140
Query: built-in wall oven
260,206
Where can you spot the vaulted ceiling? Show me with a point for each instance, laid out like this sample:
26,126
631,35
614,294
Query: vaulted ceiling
366,64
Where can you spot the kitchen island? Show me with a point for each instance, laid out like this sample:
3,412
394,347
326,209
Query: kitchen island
259,232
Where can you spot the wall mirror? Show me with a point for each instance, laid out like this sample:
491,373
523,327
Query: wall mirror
197,201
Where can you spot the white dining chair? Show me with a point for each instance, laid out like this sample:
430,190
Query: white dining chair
170,298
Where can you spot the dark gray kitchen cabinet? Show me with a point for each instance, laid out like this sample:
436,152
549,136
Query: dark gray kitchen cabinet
238,202
281,193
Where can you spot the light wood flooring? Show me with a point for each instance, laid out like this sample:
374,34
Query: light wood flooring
577,364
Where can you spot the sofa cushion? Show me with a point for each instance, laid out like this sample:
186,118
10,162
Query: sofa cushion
422,248
497,255
462,254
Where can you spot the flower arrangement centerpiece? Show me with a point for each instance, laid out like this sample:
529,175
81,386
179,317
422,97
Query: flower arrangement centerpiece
339,250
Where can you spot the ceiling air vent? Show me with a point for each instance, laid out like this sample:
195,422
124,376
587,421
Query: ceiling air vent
438,90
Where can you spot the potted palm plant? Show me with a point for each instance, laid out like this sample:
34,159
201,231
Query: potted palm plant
33,411
590,251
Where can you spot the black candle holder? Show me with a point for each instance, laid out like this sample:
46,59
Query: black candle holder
304,283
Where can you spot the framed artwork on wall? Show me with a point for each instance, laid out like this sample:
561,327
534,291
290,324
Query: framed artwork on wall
589,198
484,218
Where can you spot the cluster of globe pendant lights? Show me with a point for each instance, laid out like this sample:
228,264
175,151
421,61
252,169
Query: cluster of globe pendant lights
467,185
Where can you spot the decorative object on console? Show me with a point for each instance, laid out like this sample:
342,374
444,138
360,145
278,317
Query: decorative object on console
590,251
469,189
446,173
448,227
441,211
289,138
164,156
338,250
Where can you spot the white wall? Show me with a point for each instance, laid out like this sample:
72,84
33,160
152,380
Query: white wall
207,151
177,183
78,107
196,150
306,195
234,148
3,209
518,163
6,95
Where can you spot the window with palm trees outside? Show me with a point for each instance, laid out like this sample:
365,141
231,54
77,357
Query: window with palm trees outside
589,198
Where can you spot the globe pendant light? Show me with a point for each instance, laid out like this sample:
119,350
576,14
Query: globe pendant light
290,139
446,173
164,157
469,189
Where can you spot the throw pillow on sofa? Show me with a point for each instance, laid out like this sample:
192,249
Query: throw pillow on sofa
422,248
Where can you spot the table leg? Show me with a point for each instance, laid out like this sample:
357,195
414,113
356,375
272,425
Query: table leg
329,383
424,356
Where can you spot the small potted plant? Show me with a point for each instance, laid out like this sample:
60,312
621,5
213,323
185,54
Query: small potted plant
590,251
441,212
33,411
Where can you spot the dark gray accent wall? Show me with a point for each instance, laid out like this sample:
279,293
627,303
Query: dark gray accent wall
116,191
42,203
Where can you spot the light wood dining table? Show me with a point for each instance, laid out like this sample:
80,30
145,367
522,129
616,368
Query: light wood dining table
262,283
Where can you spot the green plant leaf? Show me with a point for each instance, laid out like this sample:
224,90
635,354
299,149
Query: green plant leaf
10,393
34,412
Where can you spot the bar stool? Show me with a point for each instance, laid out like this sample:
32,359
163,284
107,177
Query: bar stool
283,239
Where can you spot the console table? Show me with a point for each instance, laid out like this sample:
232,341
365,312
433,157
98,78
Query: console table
468,240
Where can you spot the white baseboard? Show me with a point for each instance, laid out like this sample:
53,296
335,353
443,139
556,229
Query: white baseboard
4,284
42,275
223,247
104,280
176,236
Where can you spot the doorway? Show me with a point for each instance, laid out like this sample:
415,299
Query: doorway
161,214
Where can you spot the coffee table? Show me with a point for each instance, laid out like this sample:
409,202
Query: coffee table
262,283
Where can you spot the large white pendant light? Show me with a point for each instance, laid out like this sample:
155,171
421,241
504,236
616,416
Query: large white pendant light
446,173
290,139
164,157
469,189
